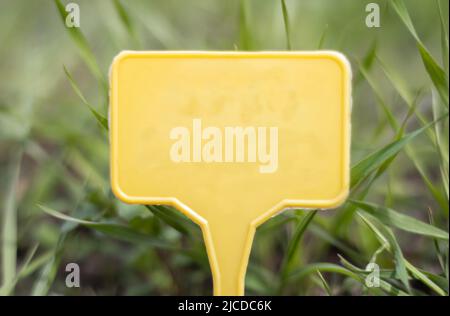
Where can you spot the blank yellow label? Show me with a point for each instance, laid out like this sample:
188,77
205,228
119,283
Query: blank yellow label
230,139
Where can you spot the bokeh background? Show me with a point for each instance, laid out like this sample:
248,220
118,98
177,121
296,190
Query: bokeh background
55,199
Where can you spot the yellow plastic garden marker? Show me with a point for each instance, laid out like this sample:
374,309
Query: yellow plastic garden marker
230,139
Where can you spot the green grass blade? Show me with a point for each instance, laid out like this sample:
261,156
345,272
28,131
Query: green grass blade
387,236
367,62
402,11
292,247
127,21
34,265
9,224
7,288
439,280
370,56
337,269
48,273
322,38
393,219
245,39
115,230
441,131
175,219
103,121
435,191
424,278
287,27
389,115
83,47
325,284
436,244
436,73
323,267
398,85
275,222
444,36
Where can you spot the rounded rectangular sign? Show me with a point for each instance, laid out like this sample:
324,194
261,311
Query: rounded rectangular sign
230,137
256,127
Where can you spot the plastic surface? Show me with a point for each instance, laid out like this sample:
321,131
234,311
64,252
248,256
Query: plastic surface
230,139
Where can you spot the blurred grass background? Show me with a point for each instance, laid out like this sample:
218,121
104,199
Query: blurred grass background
56,202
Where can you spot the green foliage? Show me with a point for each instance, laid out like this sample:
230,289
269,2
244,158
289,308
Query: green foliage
57,205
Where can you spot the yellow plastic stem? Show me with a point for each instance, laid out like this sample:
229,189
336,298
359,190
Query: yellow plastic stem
228,244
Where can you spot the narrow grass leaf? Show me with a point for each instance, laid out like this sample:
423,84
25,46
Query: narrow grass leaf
440,281
9,225
34,265
395,219
245,40
295,240
441,143
387,237
425,279
437,247
436,73
8,288
48,273
398,84
444,36
275,222
322,38
387,111
83,46
103,121
337,269
325,284
287,28
367,62
126,21
175,219
118,231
